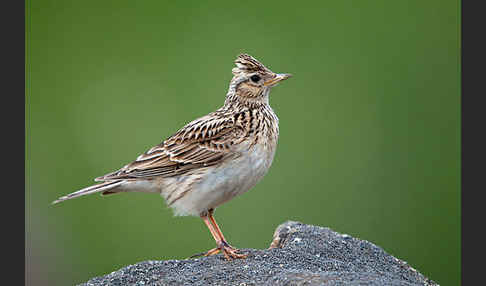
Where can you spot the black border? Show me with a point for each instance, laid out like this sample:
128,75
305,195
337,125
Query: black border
12,19
473,143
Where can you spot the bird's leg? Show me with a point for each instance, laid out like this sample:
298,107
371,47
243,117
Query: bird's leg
218,230
228,251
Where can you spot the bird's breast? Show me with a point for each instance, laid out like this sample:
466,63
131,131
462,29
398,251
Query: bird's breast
241,170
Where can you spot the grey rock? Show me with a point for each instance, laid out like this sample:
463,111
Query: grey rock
298,255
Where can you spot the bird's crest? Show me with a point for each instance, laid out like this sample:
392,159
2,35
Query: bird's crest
248,64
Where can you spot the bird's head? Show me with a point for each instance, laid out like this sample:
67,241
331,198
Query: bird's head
252,81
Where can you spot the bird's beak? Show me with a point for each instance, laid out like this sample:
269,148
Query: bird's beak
278,78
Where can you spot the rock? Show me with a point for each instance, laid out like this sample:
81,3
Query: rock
298,255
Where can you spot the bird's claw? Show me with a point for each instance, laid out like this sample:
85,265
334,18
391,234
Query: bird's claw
229,252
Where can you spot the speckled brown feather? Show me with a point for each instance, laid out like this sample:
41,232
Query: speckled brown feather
201,143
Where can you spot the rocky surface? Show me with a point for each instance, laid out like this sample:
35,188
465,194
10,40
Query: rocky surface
298,255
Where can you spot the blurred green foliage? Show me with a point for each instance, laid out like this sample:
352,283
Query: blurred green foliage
370,125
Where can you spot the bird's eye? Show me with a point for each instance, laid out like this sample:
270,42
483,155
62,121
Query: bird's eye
255,78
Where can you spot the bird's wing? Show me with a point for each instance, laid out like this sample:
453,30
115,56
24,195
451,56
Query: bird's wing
203,142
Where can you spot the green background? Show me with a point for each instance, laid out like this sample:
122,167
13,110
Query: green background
369,125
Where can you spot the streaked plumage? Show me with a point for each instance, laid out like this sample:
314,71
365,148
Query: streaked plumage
213,158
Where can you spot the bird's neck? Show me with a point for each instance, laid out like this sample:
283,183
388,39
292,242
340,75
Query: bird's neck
250,103
233,100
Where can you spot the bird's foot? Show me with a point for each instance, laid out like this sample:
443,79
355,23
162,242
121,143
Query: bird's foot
229,252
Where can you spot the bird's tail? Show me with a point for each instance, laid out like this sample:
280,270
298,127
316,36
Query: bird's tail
90,190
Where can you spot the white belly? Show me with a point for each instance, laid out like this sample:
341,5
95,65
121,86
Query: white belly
216,186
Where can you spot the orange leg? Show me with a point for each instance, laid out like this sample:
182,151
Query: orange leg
216,227
228,251
214,233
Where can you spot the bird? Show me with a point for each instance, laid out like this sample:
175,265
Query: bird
210,160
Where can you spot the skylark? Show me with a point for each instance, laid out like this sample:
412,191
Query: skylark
213,158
